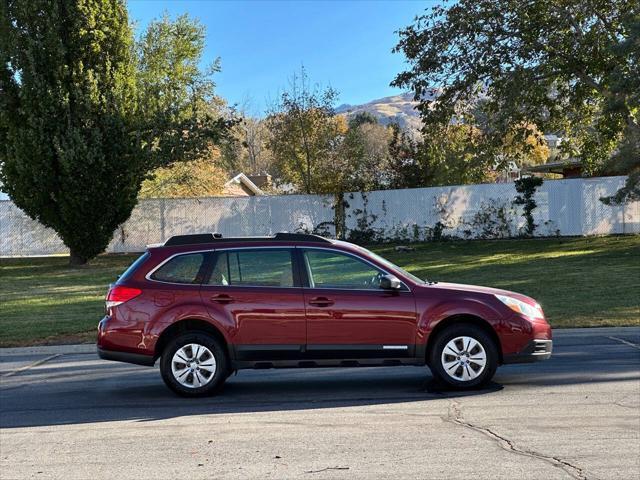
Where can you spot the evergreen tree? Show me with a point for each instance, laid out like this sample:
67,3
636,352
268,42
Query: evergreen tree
78,132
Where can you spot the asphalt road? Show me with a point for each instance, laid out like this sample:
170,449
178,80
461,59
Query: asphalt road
574,416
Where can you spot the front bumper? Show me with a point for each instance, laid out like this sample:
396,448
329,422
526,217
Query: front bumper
534,351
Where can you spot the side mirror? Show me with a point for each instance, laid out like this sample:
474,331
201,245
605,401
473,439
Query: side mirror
390,282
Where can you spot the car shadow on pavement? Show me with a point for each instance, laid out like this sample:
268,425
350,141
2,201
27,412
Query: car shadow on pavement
137,394
78,389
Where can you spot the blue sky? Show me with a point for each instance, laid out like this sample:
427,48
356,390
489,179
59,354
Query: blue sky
345,44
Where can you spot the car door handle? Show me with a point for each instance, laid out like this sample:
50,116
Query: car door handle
222,298
321,302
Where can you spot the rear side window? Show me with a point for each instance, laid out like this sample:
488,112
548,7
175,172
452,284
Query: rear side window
134,266
181,269
256,268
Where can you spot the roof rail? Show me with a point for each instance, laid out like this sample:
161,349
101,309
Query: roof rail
299,237
199,238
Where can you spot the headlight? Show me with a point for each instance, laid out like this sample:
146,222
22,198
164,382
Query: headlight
533,312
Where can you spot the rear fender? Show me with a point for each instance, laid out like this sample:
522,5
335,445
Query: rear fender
179,313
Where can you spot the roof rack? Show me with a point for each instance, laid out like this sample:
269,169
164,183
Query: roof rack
199,238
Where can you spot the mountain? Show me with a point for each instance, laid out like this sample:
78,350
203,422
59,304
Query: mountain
398,109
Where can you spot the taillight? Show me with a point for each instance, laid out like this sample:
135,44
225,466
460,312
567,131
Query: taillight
118,295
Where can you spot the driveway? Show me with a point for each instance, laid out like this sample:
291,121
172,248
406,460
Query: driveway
71,415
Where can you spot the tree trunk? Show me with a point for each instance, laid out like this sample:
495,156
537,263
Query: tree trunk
76,259
339,219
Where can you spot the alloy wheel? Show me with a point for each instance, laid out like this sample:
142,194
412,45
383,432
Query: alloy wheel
193,365
463,358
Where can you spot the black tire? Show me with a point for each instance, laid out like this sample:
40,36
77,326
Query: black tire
463,330
213,383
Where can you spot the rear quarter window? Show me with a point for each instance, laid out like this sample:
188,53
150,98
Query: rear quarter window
185,268
134,266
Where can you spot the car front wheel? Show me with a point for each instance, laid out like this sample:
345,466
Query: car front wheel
194,364
464,356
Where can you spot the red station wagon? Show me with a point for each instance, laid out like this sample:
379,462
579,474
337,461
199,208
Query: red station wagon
207,306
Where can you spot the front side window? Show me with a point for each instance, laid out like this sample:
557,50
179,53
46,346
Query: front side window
254,268
388,264
337,270
181,269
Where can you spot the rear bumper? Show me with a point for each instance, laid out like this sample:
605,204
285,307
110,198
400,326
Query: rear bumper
534,351
127,357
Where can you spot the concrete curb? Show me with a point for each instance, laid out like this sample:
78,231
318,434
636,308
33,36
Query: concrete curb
596,331
49,350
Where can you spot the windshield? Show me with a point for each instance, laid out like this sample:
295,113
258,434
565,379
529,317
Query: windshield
390,265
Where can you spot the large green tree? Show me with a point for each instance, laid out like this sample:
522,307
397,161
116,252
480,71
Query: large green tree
569,67
448,157
304,134
318,151
68,100
362,160
180,116
409,166
246,148
85,114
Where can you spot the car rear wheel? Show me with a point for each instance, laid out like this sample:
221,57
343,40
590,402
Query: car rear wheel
464,356
194,364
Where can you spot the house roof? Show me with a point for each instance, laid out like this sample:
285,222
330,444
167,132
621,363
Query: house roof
555,167
242,179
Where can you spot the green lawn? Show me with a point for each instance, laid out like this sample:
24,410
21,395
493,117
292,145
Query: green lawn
579,282
44,301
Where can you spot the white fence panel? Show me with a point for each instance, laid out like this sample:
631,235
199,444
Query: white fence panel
153,221
19,235
564,207
406,214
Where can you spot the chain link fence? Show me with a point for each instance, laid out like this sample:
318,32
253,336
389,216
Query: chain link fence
564,208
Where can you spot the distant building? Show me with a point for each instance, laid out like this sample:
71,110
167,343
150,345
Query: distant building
553,141
241,186
263,181
508,173
570,168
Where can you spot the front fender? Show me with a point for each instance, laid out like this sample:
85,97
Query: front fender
512,331
431,314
